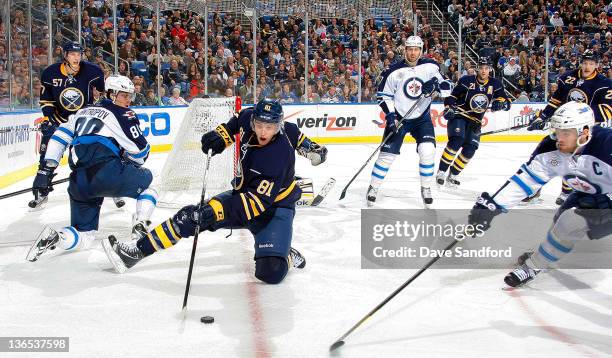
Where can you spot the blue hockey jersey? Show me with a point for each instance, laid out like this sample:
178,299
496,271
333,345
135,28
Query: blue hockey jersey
266,174
472,97
62,95
596,91
98,134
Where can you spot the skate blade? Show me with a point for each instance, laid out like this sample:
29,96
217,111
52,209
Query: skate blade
34,252
115,260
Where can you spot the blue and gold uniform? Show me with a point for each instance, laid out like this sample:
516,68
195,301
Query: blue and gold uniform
264,195
595,90
62,95
465,109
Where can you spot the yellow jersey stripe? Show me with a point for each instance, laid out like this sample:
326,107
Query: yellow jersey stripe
302,137
448,156
217,208
246,207
255,212
286,192
460,164
153,242
261,207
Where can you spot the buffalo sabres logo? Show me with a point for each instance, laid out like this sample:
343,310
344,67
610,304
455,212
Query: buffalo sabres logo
577,95
479,103
72,99
582,184
413,87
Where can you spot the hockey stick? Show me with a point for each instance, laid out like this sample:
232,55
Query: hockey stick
22,191
340,341
505,129
195,236
323,192
399,125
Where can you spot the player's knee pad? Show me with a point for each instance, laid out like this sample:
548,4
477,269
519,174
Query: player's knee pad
468,151
183,221
271,269
454,143
427,152
71,239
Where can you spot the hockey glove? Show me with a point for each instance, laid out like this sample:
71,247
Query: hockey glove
430,87
449,113
187,219
484,211
538,122
392,120
42,182
500,104
597,211
217,140
317,154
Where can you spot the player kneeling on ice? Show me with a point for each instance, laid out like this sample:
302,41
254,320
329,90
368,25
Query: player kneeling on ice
580,153
399,95
263,199
107,152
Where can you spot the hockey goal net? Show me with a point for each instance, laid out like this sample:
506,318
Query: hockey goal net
182,176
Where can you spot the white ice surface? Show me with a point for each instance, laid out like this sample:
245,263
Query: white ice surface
444,313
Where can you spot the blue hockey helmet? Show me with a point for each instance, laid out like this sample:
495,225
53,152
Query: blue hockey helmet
269,111
72,47
590,55
484,61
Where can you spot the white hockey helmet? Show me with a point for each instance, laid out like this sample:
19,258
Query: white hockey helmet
118,83
414,41
573,115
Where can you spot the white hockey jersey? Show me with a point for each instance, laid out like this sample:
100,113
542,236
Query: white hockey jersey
401,86
588,171
99,133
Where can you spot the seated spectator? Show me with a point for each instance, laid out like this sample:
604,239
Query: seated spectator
176,99
331,96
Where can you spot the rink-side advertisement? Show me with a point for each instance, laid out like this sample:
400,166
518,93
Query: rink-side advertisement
325,123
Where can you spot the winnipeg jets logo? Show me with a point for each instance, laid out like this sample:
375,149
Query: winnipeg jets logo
479,103
72,99
577,95
413,87
582,184
579,83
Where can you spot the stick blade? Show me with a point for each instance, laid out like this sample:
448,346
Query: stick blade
336,345
343,194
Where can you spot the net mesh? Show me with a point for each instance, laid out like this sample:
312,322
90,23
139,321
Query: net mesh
181,178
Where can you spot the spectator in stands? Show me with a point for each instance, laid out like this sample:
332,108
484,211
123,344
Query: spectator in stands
176,99
151,99
139,98
287,96
331,96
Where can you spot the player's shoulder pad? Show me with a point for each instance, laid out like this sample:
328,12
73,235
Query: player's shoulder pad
467,79
572,73
292,131
119,112
92,68
52,71
425,60
393,67
600,144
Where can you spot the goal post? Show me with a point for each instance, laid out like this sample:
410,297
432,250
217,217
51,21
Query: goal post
180,181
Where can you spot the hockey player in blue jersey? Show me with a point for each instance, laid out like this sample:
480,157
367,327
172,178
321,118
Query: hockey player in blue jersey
66,87
581,153
262,201
464,110
106,157
401,86
582,85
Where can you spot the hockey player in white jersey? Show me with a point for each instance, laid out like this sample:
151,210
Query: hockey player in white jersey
107,150
580,153
401,86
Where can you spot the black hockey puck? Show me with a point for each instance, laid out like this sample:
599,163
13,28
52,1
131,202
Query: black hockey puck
207,319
